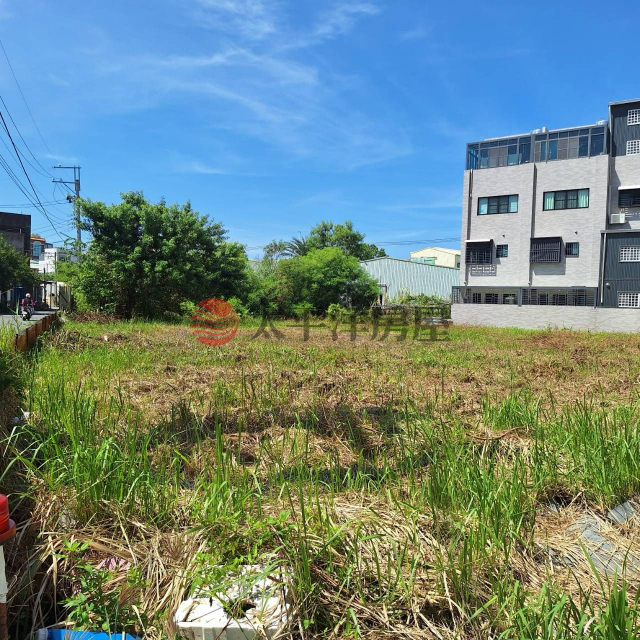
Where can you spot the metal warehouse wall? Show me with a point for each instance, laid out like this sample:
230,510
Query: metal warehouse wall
415,277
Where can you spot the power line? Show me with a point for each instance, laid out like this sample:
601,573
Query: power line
15,178
46,173
25,102
30,204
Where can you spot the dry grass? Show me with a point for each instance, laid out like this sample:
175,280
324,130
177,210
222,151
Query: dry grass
407,482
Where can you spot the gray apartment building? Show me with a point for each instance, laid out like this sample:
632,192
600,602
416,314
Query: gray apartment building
551,227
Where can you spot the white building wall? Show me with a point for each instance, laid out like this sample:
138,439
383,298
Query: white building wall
530,182
543,317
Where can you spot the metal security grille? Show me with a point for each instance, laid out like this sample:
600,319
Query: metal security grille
630,254
572,249
559,297
478,253
629,198
629,300
633,147
545,250
633,116
482,270
484,295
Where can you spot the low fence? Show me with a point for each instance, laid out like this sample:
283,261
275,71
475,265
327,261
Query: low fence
26,339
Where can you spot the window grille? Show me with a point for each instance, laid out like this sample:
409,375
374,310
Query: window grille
629,198
633,147
630,254
628,300
545,250
482,270
491,298
572,249
502,251
559,297
476,298
478,253
633,116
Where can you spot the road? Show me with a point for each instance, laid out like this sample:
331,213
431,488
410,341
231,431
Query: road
8,319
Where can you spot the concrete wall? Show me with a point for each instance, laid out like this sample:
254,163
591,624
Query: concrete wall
530,182
573,225
513,229
542,317
15,239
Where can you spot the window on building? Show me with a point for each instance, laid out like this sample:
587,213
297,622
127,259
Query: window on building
509,298
457,263
633,116
502,250
572,199
629,198
541,149
498,204
572,249
524,153
633,147
476,298
597,141
630,254
491,298
473,157
545,250
478,253
628,300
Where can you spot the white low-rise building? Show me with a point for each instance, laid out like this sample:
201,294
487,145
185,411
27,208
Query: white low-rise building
49,259
437,256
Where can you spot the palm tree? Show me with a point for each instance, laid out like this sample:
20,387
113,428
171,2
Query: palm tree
296,247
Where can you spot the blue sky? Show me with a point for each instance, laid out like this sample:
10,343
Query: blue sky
271,115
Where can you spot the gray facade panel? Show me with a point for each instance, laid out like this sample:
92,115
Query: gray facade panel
621,132
15,227
620,276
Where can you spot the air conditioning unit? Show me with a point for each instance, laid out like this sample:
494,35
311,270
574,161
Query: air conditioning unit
617,218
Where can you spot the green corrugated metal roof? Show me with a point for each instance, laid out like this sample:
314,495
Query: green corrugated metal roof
413,277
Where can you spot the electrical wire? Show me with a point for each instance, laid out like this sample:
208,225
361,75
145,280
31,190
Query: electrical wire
46,173
25,103
18,183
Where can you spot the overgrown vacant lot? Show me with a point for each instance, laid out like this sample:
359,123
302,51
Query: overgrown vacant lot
417,488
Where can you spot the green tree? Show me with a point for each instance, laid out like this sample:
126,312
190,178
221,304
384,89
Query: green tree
14,268
345,237
328,276
146,258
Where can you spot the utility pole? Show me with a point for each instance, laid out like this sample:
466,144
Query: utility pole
76,208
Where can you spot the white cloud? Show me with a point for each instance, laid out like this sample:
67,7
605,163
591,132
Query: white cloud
417,33
195,166
258,89
58,80
254,19
342,17
71,160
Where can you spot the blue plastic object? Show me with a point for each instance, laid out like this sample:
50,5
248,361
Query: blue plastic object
65,634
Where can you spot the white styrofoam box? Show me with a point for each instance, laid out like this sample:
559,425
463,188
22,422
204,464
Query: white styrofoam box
253,602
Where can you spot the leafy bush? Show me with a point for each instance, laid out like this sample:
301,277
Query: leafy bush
146,258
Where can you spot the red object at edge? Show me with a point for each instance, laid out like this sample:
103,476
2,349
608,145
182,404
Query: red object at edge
7,526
